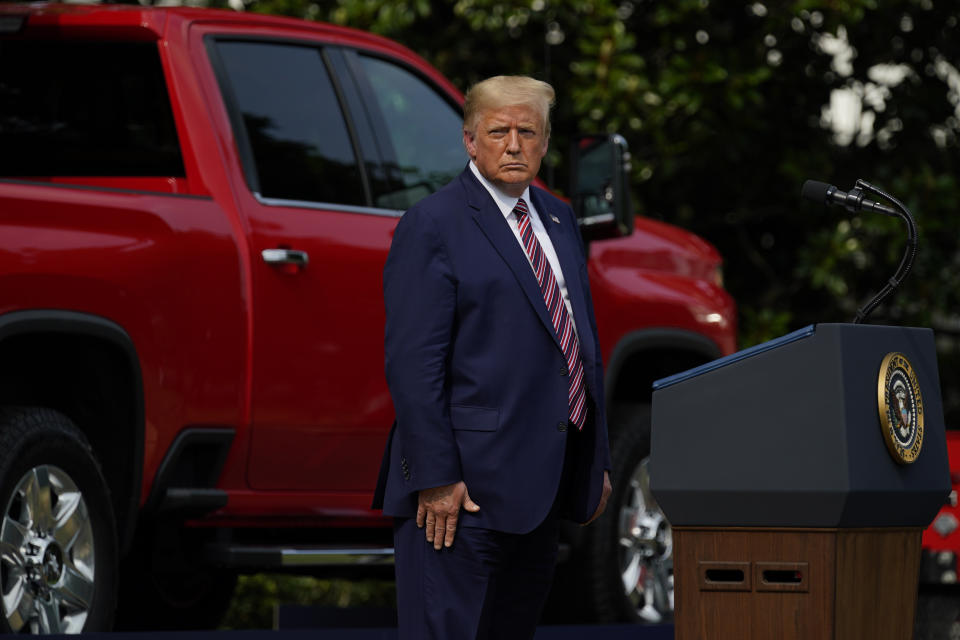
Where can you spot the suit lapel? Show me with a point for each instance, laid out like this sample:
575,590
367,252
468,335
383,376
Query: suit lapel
495,227
565,245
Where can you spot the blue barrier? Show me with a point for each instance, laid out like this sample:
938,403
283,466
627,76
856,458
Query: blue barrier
380,623
605,632
558,632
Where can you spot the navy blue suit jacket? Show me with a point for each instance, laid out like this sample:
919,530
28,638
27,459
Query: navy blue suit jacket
478,380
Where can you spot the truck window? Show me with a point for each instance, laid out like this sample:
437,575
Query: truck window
424,131
290,118
72,108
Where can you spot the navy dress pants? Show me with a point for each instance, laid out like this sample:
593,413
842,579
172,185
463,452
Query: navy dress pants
489,585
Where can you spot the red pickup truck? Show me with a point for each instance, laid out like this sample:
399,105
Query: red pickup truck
195,210
941,540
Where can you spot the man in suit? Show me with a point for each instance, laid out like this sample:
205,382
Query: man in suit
493,364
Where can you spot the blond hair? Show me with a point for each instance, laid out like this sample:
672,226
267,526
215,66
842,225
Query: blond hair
507,91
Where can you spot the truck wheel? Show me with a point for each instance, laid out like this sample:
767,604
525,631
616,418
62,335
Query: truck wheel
176,597
630,548
58,539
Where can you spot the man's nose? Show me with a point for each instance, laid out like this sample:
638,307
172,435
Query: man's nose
513,141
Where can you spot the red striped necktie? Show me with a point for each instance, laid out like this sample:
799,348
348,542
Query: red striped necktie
558,314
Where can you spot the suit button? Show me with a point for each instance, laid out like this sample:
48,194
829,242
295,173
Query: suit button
563,371
562,426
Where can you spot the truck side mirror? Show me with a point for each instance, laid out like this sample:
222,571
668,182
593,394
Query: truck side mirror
600,175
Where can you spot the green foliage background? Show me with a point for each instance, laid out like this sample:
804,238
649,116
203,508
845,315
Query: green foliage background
726,108
256,597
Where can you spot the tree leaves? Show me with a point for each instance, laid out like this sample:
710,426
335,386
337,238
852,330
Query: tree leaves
728,108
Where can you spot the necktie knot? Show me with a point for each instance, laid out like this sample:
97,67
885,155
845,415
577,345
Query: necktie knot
520,209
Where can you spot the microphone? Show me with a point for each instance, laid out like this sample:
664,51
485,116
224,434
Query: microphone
854,200
823,193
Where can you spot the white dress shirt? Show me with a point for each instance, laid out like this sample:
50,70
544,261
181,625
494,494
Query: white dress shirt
506,204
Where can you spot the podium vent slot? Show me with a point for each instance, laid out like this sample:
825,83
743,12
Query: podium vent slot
725,575
782,576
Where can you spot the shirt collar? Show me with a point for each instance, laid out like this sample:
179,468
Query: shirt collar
504,202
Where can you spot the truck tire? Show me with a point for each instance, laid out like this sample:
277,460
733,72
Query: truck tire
175,597
629,549
58,565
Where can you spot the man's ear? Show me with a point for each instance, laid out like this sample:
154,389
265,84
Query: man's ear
470,143
546,146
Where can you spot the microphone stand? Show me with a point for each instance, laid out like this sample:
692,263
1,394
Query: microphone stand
908,256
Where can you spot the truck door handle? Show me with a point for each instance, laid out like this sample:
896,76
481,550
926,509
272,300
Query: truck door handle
285,256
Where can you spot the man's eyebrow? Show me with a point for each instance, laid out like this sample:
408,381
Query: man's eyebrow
507,125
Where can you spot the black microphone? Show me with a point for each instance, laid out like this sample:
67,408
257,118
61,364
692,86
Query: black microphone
854,200
823,193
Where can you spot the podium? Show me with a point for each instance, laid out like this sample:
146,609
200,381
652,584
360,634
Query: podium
798,476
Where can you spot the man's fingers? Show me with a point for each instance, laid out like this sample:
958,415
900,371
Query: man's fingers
438,511
439,533
604,496
451,531
469,504
599,512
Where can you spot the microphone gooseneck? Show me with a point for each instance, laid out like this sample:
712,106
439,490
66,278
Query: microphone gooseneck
854,200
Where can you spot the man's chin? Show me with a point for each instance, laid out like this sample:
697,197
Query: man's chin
515,178
513,185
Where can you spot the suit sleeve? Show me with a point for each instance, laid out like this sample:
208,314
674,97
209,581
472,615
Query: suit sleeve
419,292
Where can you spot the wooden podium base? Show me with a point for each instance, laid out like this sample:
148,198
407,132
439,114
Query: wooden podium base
803,584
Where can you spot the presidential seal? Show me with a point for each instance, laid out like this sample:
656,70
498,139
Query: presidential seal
901,408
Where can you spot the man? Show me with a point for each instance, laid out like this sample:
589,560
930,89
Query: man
493,364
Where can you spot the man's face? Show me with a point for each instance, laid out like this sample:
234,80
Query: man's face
507,147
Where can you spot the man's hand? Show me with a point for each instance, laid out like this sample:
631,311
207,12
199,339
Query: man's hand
439,509
604,496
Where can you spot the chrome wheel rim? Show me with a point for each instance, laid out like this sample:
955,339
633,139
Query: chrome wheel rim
645,550
46,554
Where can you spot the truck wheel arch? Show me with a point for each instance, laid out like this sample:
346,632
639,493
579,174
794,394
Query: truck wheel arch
642,356
58,346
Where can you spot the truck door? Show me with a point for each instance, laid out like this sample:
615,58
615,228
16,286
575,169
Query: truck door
320,224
